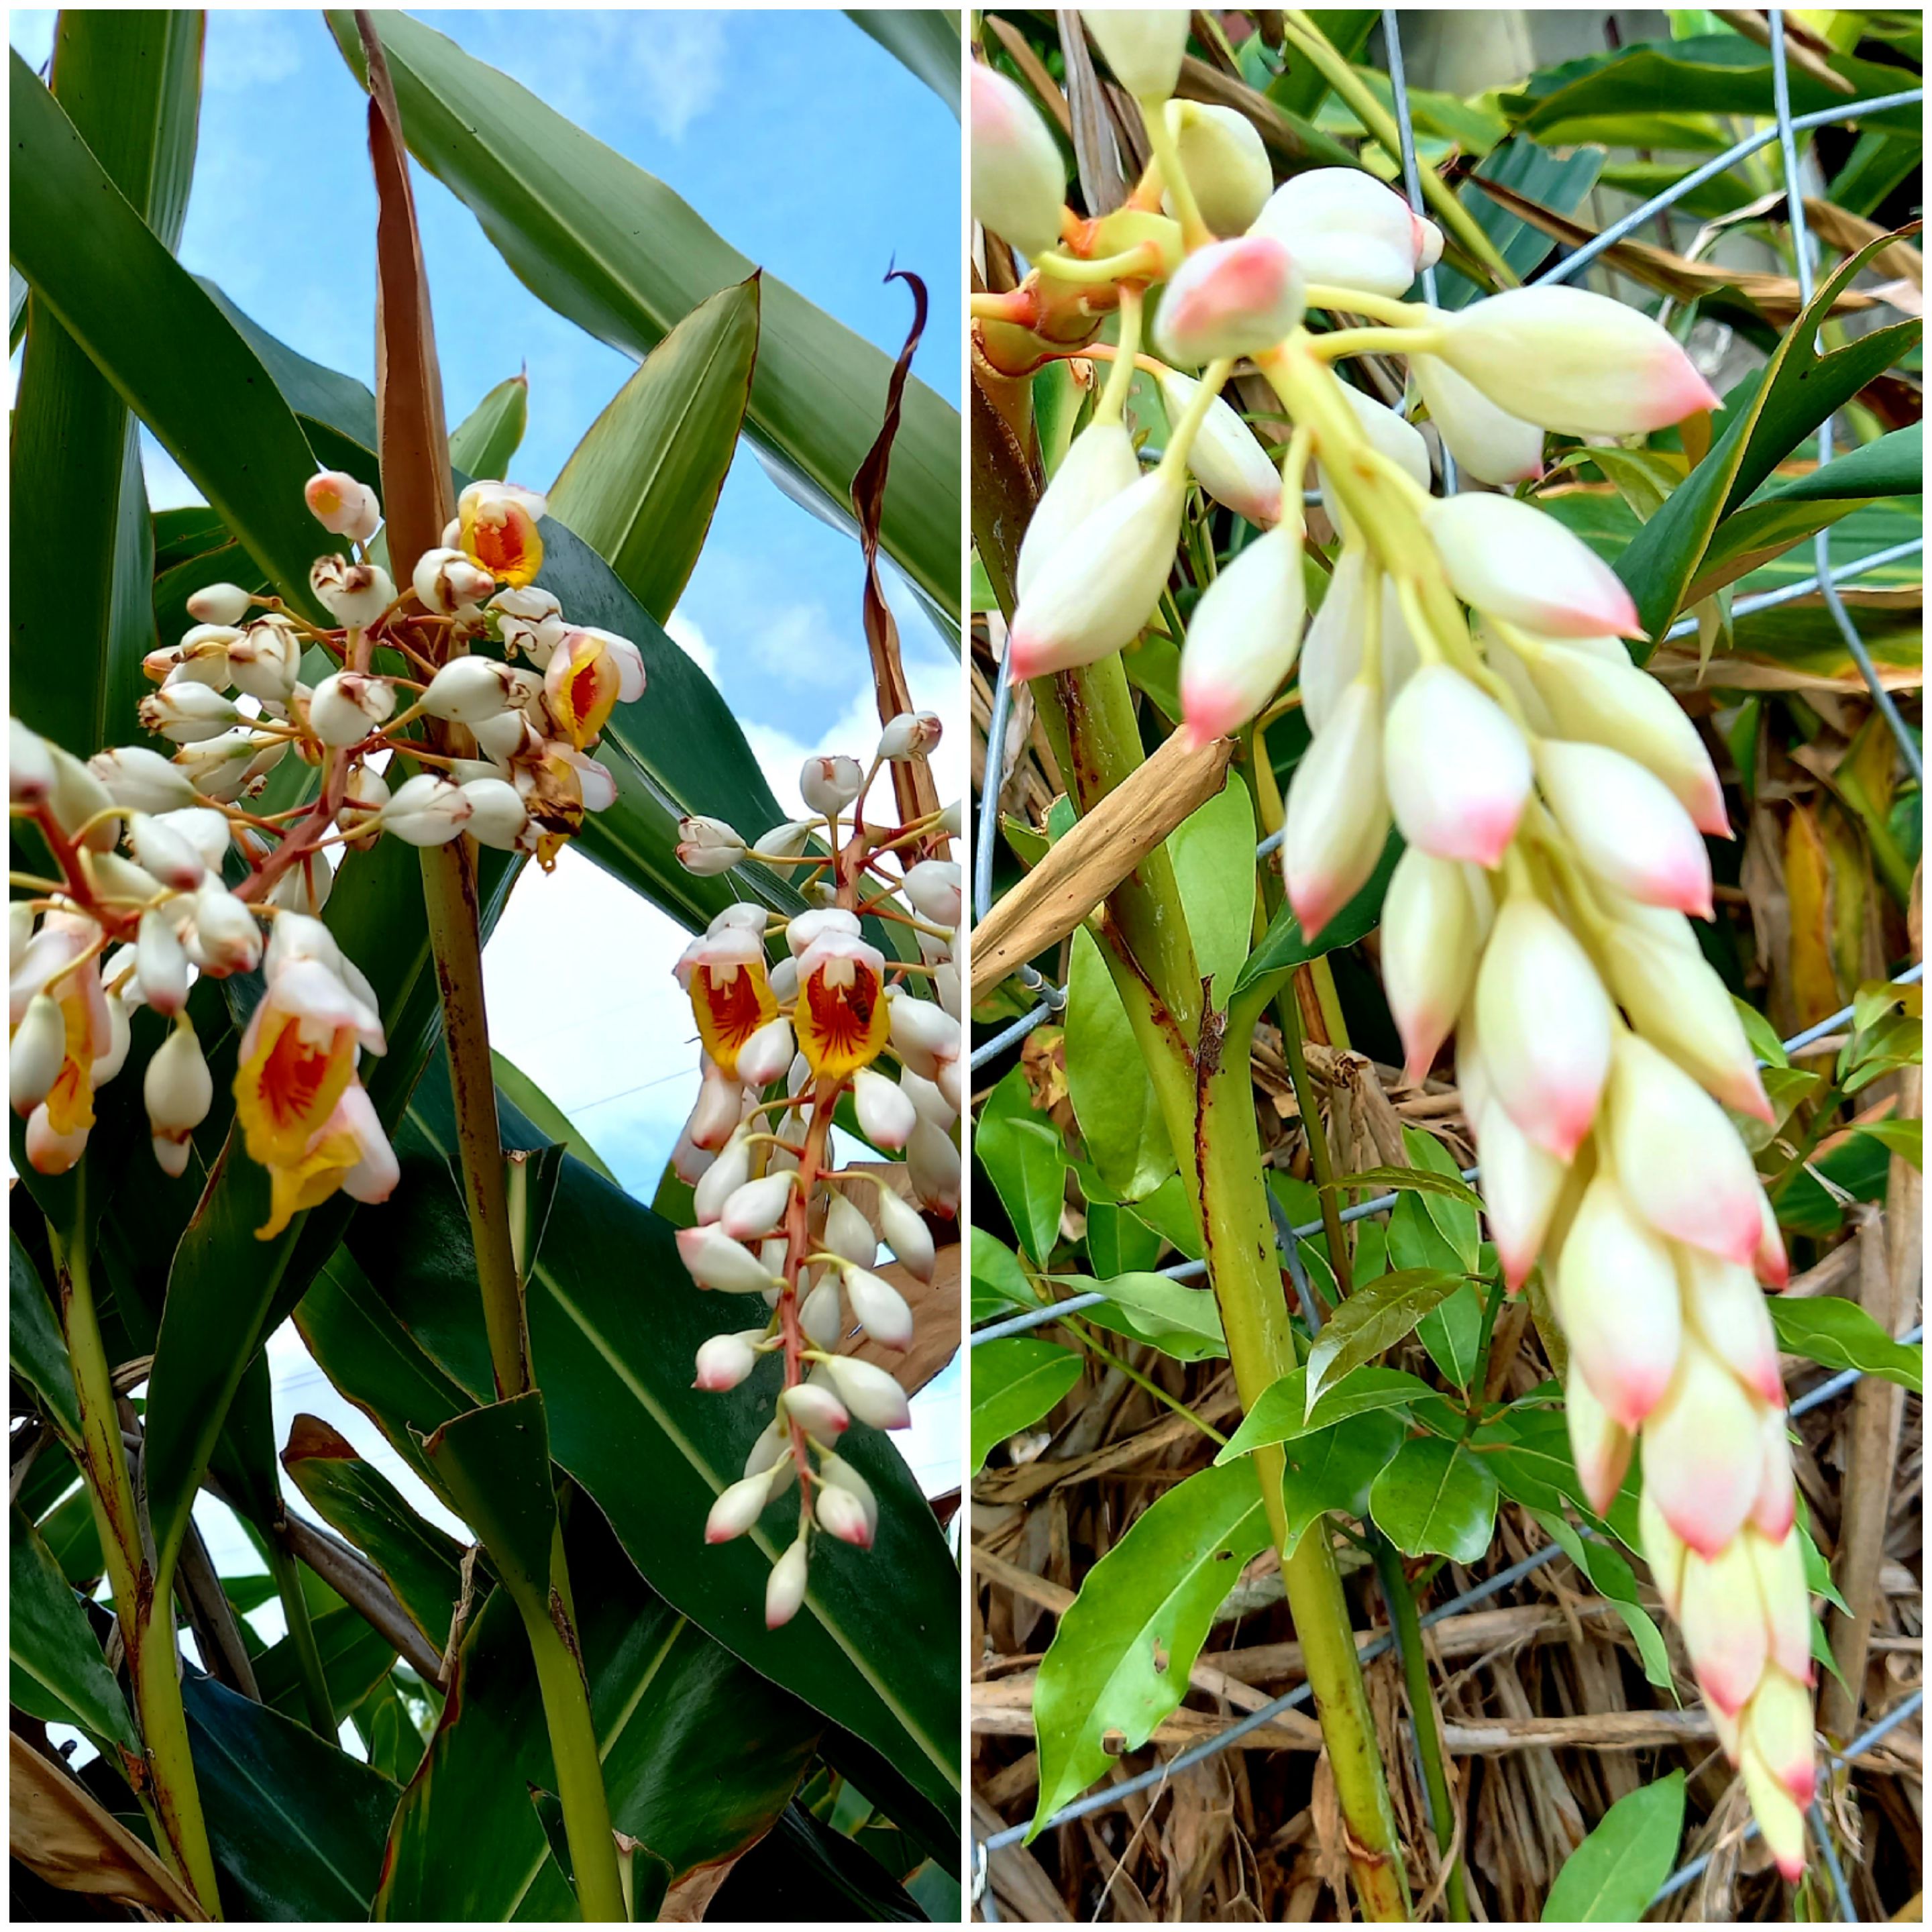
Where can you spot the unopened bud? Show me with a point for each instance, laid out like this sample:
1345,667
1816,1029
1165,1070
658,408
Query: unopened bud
37,1054
766,1054
446,581
161,963
426,810
1615,1294
177,1087
906,1234
738,1507
932,1165
469,689
1225,163
1019,180
1723,1617
1522,1185
341,504
188,713
1430,945
1143,46
840,1514
1242,638
848,1233
708,846
879,1308
869,1392
932,887
267,661
757,1208
1345,228
785,1591
1331,659
816,1410
1337,819
1515,561
1487,443
1237,297
1627,825
497,815
1226,456
887,1117
714,1260
829,785
912,734
1600,1445
223,936
161,851
30,764
134,776
1459,771
1703,1451
355,594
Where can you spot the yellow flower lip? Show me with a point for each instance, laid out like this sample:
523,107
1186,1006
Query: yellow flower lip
841,1018
730,995
498,531
298,1058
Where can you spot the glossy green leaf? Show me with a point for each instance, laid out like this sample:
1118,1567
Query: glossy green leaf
57,1672
924,40
131,88
1117,1242
1527,1449
1281,1413
1451,1205
1120,1660
159,339
616,251
803,1872
483,443
73,1535
1828,1329
640,488
1283,945
1607,1570
1107,1080
1436,1498
1446,1187
355,1657
699,1753
1452,1332
421,1563
874,1646
494,1462
1015,1381
1764,419
1021,1153
296,1824
1180,1320
1611,1876
1212,850
36,1350
1374,1318
530,1098
999,1284
1333,1472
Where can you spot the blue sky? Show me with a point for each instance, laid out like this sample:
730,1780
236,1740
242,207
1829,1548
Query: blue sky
814,153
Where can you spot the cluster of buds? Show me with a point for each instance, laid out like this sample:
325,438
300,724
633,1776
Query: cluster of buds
781,1045
1463,680
496,750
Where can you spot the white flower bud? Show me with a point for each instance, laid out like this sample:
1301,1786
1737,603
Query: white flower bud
840,1514
714,1260
808,928
120,1038
1338,816
50,1153
757,1208
224,937
1489,444
134,776
787,840
830,783
912,734
1242,639
447,581
342,505
721,1179
848,1233
30,764
498,817
724,1361
37,1054
426,810
1019,180
355,594
1098,464
708,846
1514,561
161,963
201,827
906,1234
886,1116
177,1087
932,1165
765,1056
816,1410
921,1034
219,603
347,706
186,713
868,1392
736,1509
467,690
785,1590
879,1308
1226,457
1237,297
1345,229
932,887
1143,46
835,1473
1226,164
161,849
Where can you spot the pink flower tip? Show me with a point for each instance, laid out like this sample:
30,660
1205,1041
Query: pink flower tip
1746,1095
1209,711
1790,1866
1026,655
1517,1265
1314,903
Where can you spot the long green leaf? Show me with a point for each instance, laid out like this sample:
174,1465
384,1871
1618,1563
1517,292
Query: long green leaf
57,1671
131,84
1015,1381
482,444
640,488
36,1352
159,339
1611,1876
616,251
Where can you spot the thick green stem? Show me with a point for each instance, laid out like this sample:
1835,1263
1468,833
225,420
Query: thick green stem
1407,1627
287,1573
144,1608
1288,1009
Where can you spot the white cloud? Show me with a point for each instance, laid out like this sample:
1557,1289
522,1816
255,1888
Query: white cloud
688,636
668,67
248,49
803,644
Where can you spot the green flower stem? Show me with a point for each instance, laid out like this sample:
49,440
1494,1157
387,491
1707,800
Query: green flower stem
1321,1161
144,1608
287,1573
1407,1626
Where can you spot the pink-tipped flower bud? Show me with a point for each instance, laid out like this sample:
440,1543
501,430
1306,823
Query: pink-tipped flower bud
1571,360
1226,456
1243,637
766,1054
1225,162
219,603
30,765
1143,46
737,1508
1778,1563
1099,463
1677,1157
36,1054
1094,592
1337,819
906,1234
721,1179
879,1308
1545,1023
842,1514
1775,1507
1331,659
1487,443
163,854
816,1409
177,1087
1703,1451
713,1260
757,1208
1458,768
1522,1184
784,1590
342,505
886,1115
1019,180
1724,1620
848,1233
1237,297
830,783
869,1392
1345,229
426,810
1515,561
1725,1307
1599,1444
724,1361
1626,824
160,964
1778,1727
51,1152
1769,1262
932,1165
1430,938
1780,1821
1615,1293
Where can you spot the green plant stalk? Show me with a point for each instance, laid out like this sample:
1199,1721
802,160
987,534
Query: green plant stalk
286,1571
144,1608
1407,1626
1309,40
1288,1010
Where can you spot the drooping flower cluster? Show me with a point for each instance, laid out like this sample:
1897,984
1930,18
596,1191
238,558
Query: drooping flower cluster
204,885
781,1045
1464,680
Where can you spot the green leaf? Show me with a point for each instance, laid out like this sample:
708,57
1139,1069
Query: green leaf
159,339
1021,1153
1107,1080
1607,1570
1117,1242
1333,1471
1452,1332
1446,1187
1764,418
1015,1381
1828,1329
1452,1206
36,1349
924,40
1281,1413
1179,1321
1282,945
806,1873
1436,1498
421,1563
1612,1876
1120,1660
876,1644
57,1671
482,444
615,250
1559,182
640,488
1906,1139
133,89
1373,1319
494,1462
699,1753
356,1657
999,1284
1212,851
296,1824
